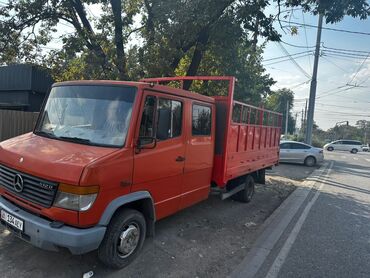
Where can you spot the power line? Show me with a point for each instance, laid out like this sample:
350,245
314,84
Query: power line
331,62
343,57
328,28
298,46
340,50
343,113
360,67
344,49
277,62
294,61
335,52
295,54
339,106
334,93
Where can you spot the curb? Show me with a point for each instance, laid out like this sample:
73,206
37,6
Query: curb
275,225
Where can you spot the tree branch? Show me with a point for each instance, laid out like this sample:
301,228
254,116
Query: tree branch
88,33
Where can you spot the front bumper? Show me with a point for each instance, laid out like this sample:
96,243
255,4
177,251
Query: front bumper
39,233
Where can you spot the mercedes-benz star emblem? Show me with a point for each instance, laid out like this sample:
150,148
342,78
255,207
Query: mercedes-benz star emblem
18,183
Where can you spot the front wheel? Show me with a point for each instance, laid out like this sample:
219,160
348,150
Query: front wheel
246,195
330,149
123,239
310,161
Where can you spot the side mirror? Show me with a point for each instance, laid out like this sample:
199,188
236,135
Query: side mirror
146,142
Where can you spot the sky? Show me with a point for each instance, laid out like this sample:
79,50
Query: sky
335,102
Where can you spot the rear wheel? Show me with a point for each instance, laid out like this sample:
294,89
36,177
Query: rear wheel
310,161
354,151
330,149
246,195
123,239
261,176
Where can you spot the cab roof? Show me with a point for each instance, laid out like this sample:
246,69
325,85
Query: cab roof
141,85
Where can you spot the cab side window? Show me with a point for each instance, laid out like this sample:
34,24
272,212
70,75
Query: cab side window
169,123
202,120
162,119
147,120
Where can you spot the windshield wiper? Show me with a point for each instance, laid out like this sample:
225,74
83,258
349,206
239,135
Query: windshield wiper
46,134
75,139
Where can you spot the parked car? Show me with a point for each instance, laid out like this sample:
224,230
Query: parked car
108,159
352,146
365,148
297,152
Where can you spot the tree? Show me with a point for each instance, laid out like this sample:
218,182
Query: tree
176,36
277,102
364,126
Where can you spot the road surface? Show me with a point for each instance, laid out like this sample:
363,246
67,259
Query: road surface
329,236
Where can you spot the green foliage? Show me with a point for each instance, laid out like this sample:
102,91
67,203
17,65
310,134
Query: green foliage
333,10
176,37
277,101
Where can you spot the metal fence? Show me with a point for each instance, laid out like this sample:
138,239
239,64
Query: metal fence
14,123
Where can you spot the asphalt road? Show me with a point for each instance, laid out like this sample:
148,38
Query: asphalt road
330,234
292,171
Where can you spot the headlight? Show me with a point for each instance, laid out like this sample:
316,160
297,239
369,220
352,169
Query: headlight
79,198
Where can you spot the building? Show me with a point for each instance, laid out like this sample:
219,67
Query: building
23,87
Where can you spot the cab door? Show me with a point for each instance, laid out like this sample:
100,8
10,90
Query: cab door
199,153
158,166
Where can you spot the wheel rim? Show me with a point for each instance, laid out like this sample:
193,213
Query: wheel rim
128,240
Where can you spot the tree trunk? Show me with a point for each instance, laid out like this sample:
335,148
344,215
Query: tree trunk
197,57
118,39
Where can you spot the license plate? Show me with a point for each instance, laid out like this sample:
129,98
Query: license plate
11,220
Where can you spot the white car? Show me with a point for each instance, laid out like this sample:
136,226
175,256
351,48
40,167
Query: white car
365,148
297,152
352,146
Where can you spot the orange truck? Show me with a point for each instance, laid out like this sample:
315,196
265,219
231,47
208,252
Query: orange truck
107,159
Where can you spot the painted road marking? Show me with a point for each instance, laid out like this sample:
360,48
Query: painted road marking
367,159
355,158
283,254
343,156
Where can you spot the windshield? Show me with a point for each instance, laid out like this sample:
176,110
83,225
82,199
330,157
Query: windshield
94,115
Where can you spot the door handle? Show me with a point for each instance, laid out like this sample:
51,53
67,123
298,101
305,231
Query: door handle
180,158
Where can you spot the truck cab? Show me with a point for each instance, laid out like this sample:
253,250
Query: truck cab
104,162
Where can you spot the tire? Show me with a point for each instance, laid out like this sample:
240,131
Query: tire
330,149
127,223
246,195
354,151
310,161
261,177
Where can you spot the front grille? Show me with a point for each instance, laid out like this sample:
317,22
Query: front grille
35,190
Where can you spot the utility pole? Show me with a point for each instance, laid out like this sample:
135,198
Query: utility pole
311,103
305,121
295,124
286,119
302,123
